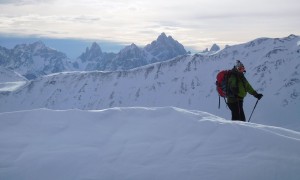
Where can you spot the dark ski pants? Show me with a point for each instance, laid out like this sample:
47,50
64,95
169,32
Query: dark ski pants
237,111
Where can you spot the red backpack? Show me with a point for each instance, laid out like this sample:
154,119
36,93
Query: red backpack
221,83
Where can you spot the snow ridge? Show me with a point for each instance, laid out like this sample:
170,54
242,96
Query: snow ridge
142,143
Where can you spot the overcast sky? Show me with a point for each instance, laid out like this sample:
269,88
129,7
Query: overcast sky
194,23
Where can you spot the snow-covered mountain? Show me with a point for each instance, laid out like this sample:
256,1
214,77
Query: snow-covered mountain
132,56
93,59
34,60
165,48
143,144
187,81
213,49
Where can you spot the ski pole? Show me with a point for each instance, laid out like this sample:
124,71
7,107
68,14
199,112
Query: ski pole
253,110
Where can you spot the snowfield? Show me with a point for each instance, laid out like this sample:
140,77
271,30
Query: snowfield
137,143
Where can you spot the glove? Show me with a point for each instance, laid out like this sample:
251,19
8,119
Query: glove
258,96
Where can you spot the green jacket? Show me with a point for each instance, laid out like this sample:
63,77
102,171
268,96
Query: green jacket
238,87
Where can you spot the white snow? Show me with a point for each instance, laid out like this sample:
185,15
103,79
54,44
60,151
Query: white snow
142,143
10,80
164,143
11,86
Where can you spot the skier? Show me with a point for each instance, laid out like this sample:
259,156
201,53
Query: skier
239,87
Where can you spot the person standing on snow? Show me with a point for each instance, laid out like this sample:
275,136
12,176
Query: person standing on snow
239,87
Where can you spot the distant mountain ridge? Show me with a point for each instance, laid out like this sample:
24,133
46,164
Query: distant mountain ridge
132,56
213,49
93,59
165,48
35,60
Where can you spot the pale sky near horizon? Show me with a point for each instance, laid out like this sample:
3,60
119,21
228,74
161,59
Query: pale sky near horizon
194,23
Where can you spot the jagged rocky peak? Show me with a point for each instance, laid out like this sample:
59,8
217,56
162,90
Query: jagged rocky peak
130,51
96,48
163,37
91,53
38,45
35,59
131,47
165,47
214,47
205,50
37,48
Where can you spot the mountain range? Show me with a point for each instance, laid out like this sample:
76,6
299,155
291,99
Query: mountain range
36,59
186,81
132,56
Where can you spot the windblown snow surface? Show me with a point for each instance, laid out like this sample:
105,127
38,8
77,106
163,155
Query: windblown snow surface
137,143
10,80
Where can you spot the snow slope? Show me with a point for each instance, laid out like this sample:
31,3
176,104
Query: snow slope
10,80
272,65
142,143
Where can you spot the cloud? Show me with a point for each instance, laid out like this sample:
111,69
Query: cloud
194,23
10,1
24,2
